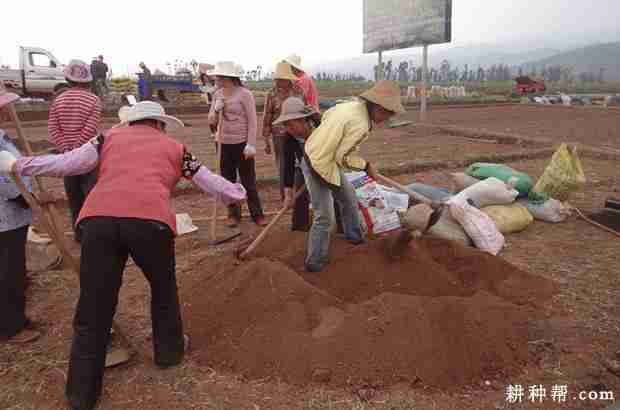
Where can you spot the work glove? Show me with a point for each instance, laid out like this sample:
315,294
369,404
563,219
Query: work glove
249,151
219,105
7,160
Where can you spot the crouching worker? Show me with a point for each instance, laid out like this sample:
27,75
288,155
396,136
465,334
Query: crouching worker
329,151
128,213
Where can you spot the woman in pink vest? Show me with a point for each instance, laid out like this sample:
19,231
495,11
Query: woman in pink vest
128,213
237,136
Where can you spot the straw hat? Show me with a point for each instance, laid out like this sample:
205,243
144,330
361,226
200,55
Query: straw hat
284,72
386,94
295,61
78,72
293,108
6,97
226,69
149,110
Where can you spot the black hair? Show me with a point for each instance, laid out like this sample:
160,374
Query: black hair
237,81
79,85
147,121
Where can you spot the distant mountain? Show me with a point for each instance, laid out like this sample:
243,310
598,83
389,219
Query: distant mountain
588,59
473,55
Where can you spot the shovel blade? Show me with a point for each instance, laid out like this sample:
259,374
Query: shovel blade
116,357
225,239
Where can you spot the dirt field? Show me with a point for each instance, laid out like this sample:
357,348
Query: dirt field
566,341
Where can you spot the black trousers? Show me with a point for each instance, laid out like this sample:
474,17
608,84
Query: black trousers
77,188
12,282
232,162
107,242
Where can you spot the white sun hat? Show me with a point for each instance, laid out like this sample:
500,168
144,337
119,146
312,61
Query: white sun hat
78,72
149,110
295,61
226,69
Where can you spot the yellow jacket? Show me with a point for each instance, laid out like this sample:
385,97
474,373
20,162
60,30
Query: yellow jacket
335,143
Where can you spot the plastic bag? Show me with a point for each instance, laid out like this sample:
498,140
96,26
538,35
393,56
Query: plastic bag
550,210
478,225
482,170
416,218
491,191
563,176
509,218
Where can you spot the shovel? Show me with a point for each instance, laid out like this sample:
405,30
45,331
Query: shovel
400,244
243,252
215,241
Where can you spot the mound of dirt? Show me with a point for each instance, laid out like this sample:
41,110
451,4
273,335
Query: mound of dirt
444,315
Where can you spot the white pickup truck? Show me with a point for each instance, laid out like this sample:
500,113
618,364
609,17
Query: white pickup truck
40,74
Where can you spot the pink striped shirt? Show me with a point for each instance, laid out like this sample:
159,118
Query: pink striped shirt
74,119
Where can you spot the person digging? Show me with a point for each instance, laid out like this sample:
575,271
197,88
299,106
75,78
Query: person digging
15,218
127,213
330,150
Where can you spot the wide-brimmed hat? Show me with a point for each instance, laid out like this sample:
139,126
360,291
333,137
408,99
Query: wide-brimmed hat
385,93
6,97
293,108
226,69
78,72
295,61
283,72
149,110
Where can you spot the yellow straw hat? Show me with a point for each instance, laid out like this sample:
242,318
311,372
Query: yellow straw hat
386,94
283,72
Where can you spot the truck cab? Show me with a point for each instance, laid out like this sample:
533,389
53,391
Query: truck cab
40,73
42,70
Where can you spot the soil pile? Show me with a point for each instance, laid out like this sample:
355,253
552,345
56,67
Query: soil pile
444,315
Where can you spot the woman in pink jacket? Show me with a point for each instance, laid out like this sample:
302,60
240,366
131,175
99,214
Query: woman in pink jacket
236,106
128,213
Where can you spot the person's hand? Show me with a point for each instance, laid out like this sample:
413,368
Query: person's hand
370,171
249,151
7,161
267,147
212,118
288,198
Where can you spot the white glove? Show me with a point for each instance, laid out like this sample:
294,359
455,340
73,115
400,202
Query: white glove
219,104
7,160
249,151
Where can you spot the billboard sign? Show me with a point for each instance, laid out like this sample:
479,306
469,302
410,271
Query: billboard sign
394,24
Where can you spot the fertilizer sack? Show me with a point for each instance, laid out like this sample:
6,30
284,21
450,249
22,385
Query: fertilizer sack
462,180
491,191
509,218
550,210
482,170
563,176
416,218
379,215
478,225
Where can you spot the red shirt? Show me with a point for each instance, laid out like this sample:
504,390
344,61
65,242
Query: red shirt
139,167
74,119
306,83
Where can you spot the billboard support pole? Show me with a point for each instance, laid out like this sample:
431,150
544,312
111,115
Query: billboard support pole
424,78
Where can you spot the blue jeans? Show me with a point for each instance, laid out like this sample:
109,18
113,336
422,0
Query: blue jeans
322,198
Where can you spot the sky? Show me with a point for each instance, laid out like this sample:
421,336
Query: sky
263,32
